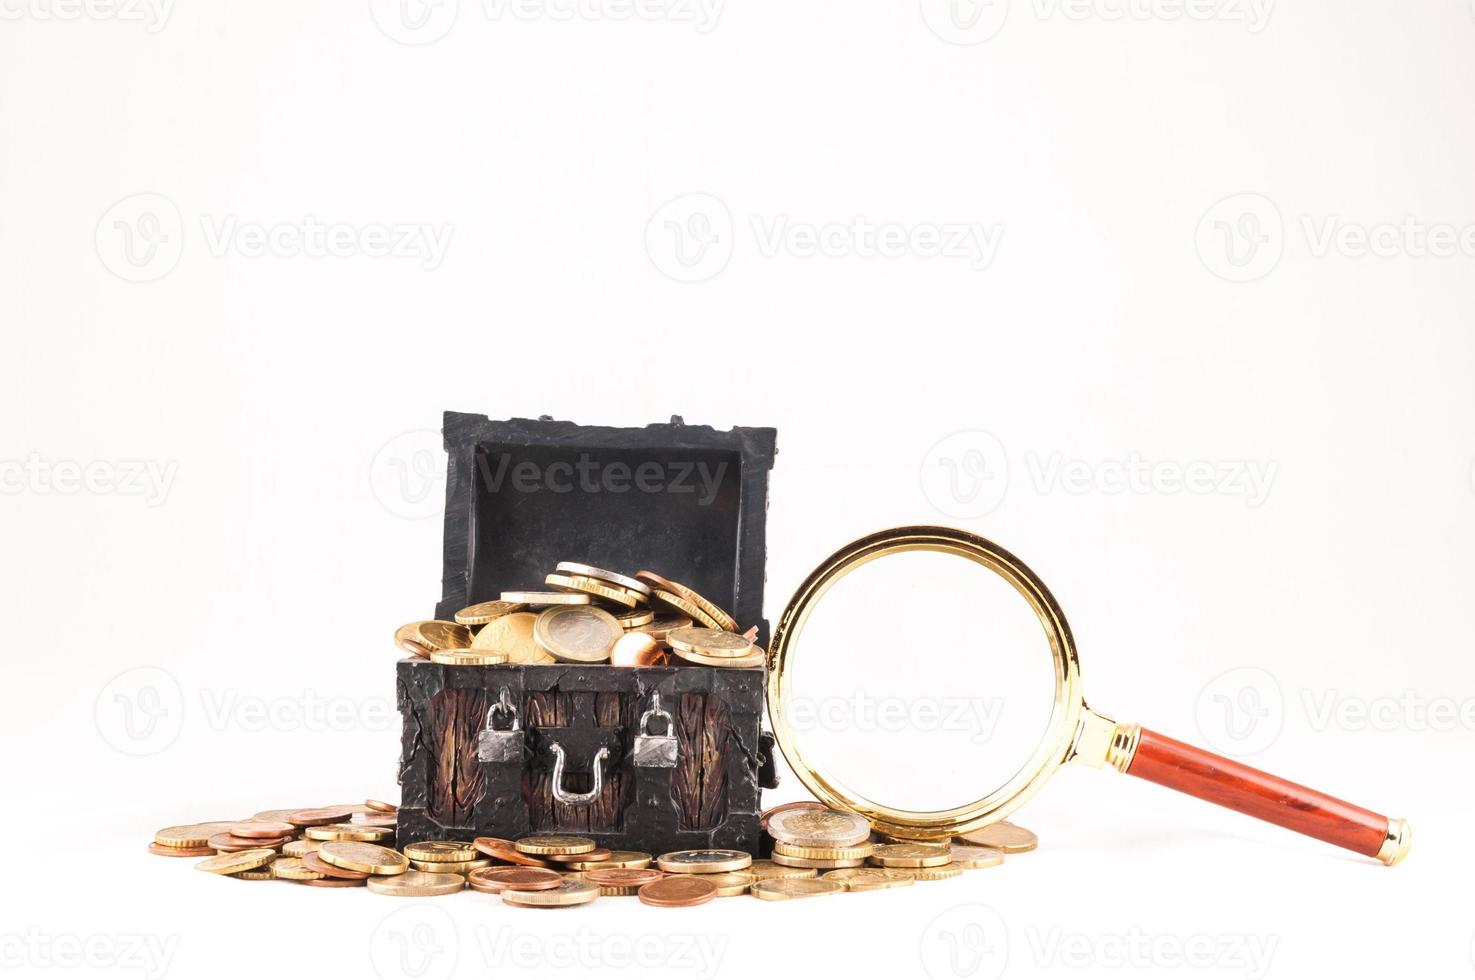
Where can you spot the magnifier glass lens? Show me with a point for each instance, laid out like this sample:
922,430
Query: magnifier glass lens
921,681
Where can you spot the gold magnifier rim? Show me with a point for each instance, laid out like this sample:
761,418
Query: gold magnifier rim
1065,715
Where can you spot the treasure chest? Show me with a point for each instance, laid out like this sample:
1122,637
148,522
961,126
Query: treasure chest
642,758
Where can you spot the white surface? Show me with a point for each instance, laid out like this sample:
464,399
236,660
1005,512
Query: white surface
1321,409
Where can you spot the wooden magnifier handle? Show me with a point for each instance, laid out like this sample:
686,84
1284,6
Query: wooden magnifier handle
1177,765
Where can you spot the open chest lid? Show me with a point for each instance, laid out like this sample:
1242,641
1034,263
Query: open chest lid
686,501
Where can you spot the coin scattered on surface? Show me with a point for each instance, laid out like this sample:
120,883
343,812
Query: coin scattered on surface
494,880
319,816
313,862
622,881
703,861
782,889
547,598
577,634
677,891
336,882
554,844
818,828
911,855
763,869
259,829
451,867
293,869
870,879
484,612
729,883
230,842
192,834
352,855
416,884
238,861
568,892
180,852
936,873
348,831
764,817
851,853
440,850
822,864
616,859
301,847
379,806
1004,836
506,850
512,635
969,856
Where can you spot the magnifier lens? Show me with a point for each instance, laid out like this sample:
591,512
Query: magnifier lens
922,681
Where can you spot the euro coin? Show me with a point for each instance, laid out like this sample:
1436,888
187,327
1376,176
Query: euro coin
719,619
495,880
554,844
259,829
437,634
622,881
292,869
632,618
238,861
764,869
312,862
352,855
180,852
407,638
661,626
818,863
297,848
677,891
335,882
613,578
616,860
854,852
967,856
599,590
230,842
686,607
541,599
379,806
936,873
192,834
484,612
256,874
512,635
783,889
755,658
568,892
467,658
818,828
416,884
317,816
785,808
577,634
348,831
729,883
506,850
703,861
440,850
1004,836
451,867
708,642
870,879
911,855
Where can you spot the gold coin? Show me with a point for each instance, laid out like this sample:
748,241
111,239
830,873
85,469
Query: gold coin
911,855
292,869
468,658
572,892
818,828
968,856
610,593
512,636
616,859
683,605
407,638
555,844
604,575
764,869
297,848
577,634
935,873
348,831
635,618
256,875
662,626
192,834
718,617
1005,836
370,859
437,634
440,850
820,863
234,862
757,658
783,889
484,612
708,642
861,850
870,879
414,884
713,860
548,598
451,867
729,883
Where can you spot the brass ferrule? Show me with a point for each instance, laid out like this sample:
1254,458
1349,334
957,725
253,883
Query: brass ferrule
1397,841
1123,747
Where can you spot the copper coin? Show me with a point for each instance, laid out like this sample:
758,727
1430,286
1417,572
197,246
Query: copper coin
785,807
333,882
230,842
274,815
312,862
374,819
676,891
637,649
623,877
257,829
318,816
380,806
661,626
494,880
598,854
505,850
180,852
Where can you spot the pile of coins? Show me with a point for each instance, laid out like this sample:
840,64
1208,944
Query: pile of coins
589,616
816,851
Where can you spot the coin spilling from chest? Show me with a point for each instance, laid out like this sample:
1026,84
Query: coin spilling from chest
437,634
577,634
637,649
612,594
484,612
541,599
603,575
512,635
708,642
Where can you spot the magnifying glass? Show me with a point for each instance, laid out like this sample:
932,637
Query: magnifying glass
925,681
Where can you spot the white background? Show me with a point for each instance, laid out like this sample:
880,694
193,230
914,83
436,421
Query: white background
1154,288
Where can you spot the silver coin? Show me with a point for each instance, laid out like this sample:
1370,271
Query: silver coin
577,634
589,571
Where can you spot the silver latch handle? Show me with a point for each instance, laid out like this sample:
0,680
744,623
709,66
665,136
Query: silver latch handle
576,799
